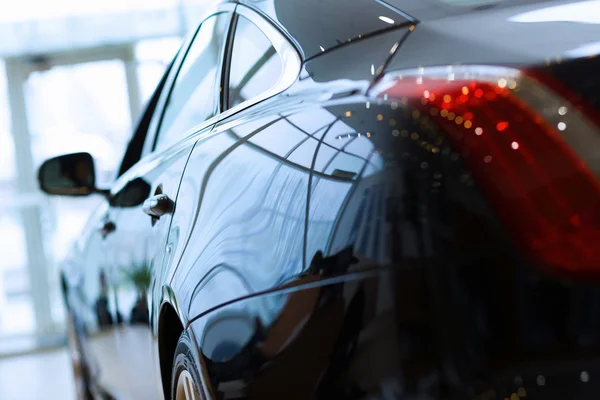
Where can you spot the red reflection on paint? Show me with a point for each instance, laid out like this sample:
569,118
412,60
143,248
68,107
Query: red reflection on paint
501,126
552,220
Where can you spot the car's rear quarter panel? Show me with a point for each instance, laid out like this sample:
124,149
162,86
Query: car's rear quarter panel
447,306
422,291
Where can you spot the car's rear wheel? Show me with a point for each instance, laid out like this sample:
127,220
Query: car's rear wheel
185,381
186,388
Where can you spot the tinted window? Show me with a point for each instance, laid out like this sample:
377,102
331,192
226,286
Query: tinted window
136,145
194,96
255,64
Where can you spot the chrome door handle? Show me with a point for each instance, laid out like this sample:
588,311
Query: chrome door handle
158,205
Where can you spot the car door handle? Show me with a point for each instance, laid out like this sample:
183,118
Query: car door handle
107,227
158,205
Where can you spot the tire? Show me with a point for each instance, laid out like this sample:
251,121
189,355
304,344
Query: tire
185,378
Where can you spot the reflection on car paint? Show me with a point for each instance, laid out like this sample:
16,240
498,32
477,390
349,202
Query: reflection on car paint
334,242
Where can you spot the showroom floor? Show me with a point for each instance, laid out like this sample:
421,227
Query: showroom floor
43,375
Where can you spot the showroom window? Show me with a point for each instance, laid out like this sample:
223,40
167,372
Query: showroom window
153,56
82,102
16,310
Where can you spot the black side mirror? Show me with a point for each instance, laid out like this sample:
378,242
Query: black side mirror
68,175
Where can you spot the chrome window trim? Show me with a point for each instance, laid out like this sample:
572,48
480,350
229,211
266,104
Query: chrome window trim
292,65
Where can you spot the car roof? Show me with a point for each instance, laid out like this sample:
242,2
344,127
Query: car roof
320,25
520,33
428,10
446,32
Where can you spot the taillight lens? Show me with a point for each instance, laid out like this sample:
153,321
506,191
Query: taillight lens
534,154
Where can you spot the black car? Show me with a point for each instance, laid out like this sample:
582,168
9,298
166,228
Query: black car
357,199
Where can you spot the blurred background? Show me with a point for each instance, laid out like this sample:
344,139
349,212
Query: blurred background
74,76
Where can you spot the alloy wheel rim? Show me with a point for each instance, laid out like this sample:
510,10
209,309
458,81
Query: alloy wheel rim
186,389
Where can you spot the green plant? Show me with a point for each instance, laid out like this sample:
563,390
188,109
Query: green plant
140,276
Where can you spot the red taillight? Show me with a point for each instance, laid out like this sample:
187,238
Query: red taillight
533,160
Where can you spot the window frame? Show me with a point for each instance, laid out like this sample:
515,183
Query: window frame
226,64
289,55
159,112
135,147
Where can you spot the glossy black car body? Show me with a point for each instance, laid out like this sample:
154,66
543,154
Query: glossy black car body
387,200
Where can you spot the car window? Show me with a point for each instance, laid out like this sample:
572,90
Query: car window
255,65
194,96
135,147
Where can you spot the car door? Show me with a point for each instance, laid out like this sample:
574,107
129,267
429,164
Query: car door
245,185
262,295
116,262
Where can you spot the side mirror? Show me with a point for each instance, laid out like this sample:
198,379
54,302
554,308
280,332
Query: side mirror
68,175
